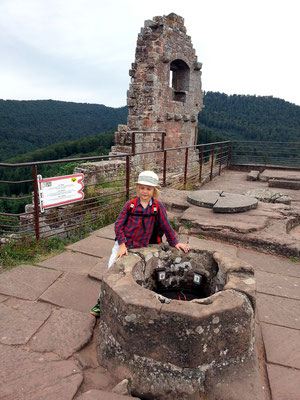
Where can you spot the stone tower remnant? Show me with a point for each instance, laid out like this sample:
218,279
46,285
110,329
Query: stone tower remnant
165,91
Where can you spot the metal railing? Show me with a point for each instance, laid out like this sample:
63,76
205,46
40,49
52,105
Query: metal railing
285,154
103,198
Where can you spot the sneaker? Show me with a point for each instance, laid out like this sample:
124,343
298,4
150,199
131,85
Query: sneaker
95,311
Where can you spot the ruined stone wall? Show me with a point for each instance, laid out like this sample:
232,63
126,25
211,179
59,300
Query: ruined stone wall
165,90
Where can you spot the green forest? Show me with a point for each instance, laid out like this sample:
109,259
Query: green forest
55,126
51,130
26,126
252,118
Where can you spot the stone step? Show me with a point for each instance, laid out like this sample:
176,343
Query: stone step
285,184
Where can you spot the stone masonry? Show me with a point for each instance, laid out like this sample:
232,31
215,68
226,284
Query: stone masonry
165,91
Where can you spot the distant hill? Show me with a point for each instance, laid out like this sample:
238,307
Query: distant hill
26,126
29,125
239,117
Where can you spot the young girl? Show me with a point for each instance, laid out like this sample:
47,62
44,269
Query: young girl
142,221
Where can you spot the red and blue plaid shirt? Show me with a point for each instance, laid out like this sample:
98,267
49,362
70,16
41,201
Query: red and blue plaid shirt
129,228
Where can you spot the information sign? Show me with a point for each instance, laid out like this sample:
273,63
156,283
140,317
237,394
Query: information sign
60,190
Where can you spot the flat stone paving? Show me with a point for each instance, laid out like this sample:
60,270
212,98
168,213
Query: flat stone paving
48,338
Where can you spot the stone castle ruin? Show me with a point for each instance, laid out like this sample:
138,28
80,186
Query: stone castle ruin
164,96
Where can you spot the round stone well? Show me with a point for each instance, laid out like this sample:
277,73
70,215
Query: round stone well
169,317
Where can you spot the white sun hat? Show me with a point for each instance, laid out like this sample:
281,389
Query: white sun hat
148,178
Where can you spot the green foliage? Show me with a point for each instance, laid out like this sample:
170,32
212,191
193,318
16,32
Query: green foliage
173,224
239,117
94,145
29,250
294,259
29,125
200,237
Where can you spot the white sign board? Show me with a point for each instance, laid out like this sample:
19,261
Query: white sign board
60,190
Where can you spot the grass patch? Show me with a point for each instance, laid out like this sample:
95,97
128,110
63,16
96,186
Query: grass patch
173,224
294,259
200,237
30,251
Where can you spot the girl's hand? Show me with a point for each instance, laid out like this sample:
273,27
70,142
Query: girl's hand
122,250
181,246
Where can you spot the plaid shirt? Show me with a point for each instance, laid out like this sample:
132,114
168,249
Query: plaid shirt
129,228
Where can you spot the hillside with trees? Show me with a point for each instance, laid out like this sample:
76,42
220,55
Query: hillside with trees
49,130
253,118
26,126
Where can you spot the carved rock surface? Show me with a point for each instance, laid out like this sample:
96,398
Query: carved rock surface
32,376
64,333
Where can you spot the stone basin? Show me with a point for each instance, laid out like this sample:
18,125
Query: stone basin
166,345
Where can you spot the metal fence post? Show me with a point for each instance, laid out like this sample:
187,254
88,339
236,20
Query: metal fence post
127,177
228,152
165,168
185,166
201,162
133,142
221,154
212,161
163,141
36,203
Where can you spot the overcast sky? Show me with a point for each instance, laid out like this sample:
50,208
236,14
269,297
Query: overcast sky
82,50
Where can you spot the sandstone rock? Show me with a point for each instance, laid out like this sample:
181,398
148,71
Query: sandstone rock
27,282
122,388
74,292
101,395
35,376
64,333
253,176
19,324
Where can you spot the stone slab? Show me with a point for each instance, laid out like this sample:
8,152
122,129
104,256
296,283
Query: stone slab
234,203
270,263
282,345
284,382
222,202
205,244
70,261
206,220
253,175
94,394
94,246
32,376
99,269
73,291
174,199
98,378
3,298
27,282
278,310
284,184
279,174
108,232
65,332
19,322
204,198
278,285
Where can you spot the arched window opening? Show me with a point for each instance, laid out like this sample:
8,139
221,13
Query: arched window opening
180,76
